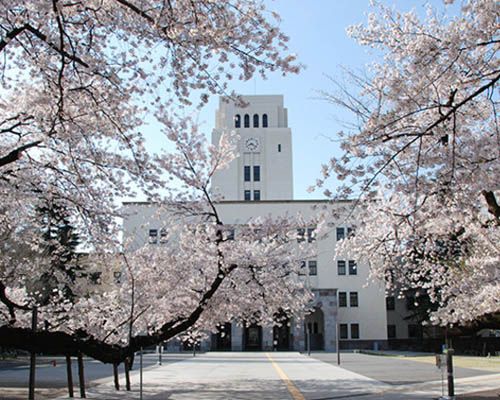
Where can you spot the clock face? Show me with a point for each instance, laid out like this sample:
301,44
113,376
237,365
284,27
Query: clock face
252,144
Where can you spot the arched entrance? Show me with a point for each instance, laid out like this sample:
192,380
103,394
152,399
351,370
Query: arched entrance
221,341
314,323
252,338
282,338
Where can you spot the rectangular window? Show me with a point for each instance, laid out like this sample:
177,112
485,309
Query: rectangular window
256,173
256,195
313,267
153,236
117,275
353,299
246,173
279,148
247,195
391,331
342,299
301,232
340,233
230,234
341,267
414,331
354,331
163,235
302,270
311,236
343,331
353,268
390,303
95,278
411,303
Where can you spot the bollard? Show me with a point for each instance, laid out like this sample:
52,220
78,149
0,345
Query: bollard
337,342
31,390
140,376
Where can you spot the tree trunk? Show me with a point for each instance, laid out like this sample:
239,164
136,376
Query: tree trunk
81,376
127,373
69,374
115,375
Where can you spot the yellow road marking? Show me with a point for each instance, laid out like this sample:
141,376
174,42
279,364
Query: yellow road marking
289,384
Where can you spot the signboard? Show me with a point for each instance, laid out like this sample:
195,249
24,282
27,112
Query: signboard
441,360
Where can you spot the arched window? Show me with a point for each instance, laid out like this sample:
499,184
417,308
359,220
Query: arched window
247,121
237,121
264,121
255,120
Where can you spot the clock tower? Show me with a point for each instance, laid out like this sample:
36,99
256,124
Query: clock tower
263,170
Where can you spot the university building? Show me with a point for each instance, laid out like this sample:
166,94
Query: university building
260,182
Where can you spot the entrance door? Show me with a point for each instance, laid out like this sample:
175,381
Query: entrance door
221,341
314,325
281,337
253,338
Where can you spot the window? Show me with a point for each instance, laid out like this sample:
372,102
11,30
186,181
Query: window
342,299
311,237
230,234
247,195
354,331
153,236
343,331
391,331
353,299
95,278
340,233
118,276
163,235
256,173
279,148
313,267
302,270
341,267
246,173
256,195
264,121
414,331
353,268
301,234
246,121
390,303
237,121
411,303
255,121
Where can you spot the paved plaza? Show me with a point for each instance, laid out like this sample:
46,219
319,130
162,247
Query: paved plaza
286,375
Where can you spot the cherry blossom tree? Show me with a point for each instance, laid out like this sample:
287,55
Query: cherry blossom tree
198,278
78,78
423,158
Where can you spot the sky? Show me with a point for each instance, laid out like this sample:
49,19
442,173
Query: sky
317,31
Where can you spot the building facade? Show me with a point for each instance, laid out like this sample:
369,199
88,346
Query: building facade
260,182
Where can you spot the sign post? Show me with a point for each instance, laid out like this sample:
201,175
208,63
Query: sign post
34,323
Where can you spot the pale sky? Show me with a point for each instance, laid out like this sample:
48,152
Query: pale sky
317,30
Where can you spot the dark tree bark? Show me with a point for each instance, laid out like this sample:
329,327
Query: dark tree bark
81,376
127,373
115,375
69,374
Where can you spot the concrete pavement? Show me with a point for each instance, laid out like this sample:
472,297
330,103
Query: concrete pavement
245,376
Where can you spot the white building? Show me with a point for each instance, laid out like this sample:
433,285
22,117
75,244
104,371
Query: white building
260,182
